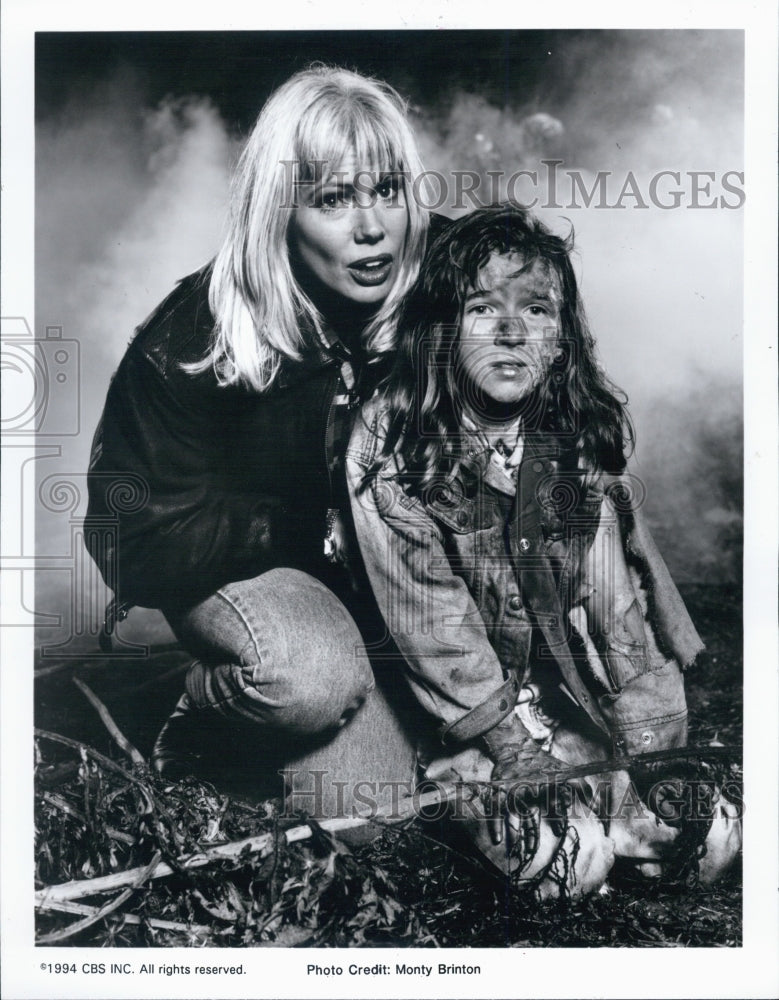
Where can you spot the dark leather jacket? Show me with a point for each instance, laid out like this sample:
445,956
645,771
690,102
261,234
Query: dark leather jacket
193,485
471,576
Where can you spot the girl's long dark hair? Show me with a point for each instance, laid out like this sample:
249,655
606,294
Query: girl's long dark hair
575,402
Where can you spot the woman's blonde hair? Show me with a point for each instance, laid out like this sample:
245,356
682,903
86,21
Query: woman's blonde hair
261,313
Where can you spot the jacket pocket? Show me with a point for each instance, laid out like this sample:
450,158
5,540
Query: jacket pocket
461,514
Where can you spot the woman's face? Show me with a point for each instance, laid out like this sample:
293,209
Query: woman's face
349,232
509,331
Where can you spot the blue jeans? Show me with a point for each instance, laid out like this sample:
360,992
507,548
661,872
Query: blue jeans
281,655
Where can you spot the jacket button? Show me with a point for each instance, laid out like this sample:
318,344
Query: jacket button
462,518
646,738
524,545
515,603
502,705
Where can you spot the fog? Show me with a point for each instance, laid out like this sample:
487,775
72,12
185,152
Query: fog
129,201
131,196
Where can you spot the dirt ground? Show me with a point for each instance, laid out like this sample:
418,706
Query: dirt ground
405,889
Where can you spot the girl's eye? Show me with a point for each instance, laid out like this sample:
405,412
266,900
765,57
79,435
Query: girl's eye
479,309
538,310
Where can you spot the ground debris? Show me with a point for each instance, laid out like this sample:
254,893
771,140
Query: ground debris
96,816
100,824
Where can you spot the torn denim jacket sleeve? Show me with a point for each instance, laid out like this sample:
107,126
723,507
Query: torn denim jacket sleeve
624,598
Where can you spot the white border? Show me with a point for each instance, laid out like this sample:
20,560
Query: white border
747,972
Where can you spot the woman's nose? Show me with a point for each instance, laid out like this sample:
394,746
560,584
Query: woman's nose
368,227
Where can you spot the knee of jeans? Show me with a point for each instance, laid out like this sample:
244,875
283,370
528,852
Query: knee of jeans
293,705
285,652
272,694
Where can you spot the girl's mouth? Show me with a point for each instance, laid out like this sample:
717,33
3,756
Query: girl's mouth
371,270
509,369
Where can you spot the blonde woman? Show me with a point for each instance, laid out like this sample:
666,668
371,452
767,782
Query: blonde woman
233,405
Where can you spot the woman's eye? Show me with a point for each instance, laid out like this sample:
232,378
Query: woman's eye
332,199
480,309
538,310
387,188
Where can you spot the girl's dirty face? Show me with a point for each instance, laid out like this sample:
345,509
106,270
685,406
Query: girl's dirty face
509,331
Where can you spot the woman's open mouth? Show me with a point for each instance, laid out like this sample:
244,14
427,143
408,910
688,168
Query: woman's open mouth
371,270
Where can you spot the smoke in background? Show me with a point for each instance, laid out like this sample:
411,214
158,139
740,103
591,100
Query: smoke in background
132,196
129,200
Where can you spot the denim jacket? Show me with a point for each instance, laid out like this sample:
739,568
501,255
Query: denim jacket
560,581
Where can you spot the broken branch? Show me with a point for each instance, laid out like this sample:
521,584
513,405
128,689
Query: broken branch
135,756
81,910
141,876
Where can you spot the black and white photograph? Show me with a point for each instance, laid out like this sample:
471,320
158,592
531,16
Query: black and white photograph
385,484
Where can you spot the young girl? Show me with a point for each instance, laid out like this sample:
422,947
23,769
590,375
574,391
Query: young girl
506,548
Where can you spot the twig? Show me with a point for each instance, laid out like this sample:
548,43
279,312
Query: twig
54,669
273,885
581,770
64,806
51,775
81,910
624,763
277,911
142,876
111,765
223,852
72,664
44,734
135,756
92,662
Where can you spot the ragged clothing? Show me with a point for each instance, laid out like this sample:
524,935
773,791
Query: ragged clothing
487,585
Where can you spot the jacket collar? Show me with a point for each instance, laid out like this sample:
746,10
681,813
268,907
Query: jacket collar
540,454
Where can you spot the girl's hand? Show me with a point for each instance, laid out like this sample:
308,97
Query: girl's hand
525,772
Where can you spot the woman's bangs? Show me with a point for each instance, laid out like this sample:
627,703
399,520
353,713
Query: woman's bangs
373,145
327,139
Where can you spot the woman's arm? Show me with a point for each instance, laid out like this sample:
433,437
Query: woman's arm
191,534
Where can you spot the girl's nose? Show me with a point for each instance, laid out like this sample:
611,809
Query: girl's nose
510,331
